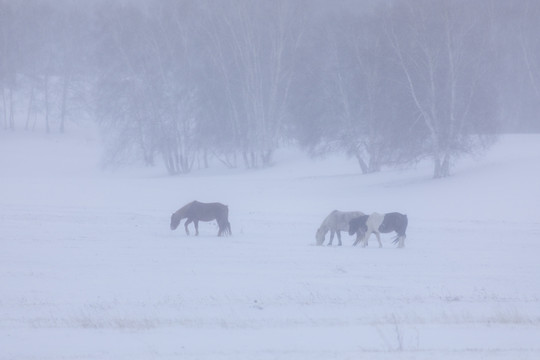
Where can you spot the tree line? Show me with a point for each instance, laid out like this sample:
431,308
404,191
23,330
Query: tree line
181,82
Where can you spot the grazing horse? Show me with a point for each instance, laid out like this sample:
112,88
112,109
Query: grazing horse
377,223
197,211
335,222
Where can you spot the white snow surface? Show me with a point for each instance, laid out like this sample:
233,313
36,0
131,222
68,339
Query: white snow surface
89,268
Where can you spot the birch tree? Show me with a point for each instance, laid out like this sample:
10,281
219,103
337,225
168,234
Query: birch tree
530,44
146,98
254,45
442,49
8,63
356,105
378,126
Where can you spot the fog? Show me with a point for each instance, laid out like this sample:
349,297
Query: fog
283,110
175,83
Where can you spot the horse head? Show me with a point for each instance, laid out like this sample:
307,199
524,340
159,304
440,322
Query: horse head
175,220
319,236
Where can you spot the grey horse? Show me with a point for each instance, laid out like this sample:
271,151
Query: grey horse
335,222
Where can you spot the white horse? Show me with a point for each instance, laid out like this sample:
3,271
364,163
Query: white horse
377,223
335,222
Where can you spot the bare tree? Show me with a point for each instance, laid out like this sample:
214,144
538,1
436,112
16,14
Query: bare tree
148,99
443,51
530,44
254,45
361,108
379,127
8,63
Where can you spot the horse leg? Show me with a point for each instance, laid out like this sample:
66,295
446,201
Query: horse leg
332,232
402,241
339,236
196,223
220,228
365,238
378,238
358,238
228,230
188,221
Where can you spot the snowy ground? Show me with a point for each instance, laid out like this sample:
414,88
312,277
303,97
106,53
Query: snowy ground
89,268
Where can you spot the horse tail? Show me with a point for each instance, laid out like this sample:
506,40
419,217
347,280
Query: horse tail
402,233
224,228
228,228
405,224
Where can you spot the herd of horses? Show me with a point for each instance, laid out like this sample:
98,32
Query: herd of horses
354,222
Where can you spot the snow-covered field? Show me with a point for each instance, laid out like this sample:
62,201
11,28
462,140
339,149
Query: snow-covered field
89,268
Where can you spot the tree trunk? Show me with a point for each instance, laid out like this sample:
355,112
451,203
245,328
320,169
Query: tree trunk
30,105
64,104
47,127
205,158
267,158
445,167
9,116
5,109
11,110
363,166
437,166
441,168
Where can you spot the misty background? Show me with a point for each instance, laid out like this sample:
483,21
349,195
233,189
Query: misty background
182,84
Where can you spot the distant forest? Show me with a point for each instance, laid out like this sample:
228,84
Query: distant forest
180,82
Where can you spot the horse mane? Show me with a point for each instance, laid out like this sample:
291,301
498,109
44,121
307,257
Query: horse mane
179,214
185,208
324,224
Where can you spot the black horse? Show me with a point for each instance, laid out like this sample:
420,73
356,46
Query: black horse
377,223
197,211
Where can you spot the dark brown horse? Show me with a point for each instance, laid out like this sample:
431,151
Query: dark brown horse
197,211
377,223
